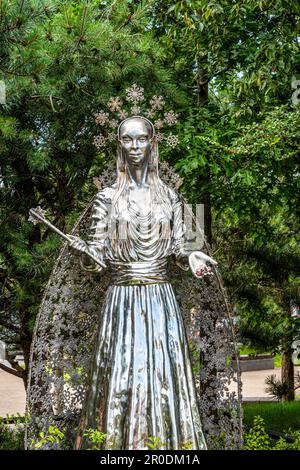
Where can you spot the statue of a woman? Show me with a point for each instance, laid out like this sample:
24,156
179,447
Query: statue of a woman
141,382
138,381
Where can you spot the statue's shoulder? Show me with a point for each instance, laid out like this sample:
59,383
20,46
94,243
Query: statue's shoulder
173,194
106,194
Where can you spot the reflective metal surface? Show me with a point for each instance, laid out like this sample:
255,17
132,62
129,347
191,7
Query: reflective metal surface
141,382
66,327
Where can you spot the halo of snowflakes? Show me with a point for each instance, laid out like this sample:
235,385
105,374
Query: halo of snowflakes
134,96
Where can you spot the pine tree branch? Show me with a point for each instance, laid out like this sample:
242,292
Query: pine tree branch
22,5
82,25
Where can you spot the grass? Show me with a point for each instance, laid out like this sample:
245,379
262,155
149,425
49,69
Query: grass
277,416
247,350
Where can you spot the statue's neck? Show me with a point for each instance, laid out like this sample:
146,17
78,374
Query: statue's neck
138,176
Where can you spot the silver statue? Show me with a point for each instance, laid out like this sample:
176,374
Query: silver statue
141,382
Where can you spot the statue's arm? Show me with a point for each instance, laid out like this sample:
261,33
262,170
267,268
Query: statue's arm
97,235
178,234
94,247
198,262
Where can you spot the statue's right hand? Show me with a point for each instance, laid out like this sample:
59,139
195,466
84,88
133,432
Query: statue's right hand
77,245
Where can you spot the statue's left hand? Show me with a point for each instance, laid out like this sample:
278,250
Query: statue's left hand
201,264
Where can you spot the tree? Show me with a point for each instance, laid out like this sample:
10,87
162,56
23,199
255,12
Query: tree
239,57
237,60
227,67
257,216
60,62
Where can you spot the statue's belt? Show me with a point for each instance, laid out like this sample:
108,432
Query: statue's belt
139,272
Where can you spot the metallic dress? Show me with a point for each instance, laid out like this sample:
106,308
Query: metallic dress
141,382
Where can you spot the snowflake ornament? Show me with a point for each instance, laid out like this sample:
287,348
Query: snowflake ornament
171,118
99,141
122,114
135,110
172,140
101,118
157,102
111,136
159,137
135,94
114,103
159,124
150,114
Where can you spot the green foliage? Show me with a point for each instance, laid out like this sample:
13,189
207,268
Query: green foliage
280,388
154,443
256,438
54,436
281,417
256,211
12,432
97,438
15,419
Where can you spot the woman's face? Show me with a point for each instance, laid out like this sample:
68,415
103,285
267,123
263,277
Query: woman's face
135,138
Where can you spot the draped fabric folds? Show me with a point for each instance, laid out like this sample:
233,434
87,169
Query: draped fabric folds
136,350
141,382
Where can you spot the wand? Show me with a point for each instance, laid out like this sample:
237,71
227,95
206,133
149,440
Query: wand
38,215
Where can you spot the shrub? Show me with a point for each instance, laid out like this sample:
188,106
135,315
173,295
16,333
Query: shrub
11,435
257,438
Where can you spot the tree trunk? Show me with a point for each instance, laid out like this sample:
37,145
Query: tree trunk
287,371
202,86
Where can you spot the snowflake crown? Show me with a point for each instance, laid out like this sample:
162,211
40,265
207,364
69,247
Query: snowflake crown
109,121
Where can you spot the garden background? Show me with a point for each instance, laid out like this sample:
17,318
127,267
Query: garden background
231,70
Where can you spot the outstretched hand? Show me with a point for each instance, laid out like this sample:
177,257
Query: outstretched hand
201,264
77,245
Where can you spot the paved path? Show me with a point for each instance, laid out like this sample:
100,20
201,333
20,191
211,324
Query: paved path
12,392
254,383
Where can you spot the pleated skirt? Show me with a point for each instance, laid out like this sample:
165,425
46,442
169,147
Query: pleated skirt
141,386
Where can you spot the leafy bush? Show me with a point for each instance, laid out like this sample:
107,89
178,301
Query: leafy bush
97,438
277,388
54,437
256,438
11,435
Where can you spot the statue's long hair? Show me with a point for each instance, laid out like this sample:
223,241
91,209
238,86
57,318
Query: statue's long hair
159,190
